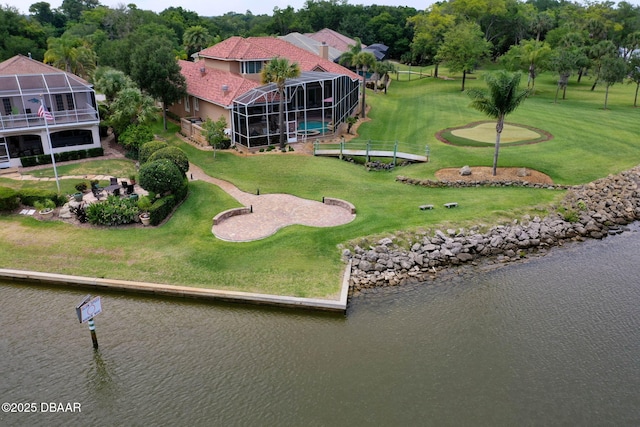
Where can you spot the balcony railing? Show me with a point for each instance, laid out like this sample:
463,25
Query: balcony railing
33,121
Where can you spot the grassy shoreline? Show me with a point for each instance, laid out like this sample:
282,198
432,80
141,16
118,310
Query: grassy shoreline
302,261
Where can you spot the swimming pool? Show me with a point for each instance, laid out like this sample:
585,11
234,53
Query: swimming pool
311,125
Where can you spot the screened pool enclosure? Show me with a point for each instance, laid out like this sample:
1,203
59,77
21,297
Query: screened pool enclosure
315,104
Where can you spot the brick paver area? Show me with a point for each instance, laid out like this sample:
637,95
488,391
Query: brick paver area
271,212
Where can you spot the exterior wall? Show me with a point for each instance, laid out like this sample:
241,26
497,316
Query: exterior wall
229,66
192,129
42,133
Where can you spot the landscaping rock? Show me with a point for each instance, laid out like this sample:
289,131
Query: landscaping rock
598,209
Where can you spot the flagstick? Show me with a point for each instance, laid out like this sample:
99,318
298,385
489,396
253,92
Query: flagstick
53,158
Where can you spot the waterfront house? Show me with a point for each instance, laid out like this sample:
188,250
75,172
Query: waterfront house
225,81
70,104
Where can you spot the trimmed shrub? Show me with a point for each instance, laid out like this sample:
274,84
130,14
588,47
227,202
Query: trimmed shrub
44,205
135,136
29,196
160,176
113,211
161,209
176,155
45,159
147,149
9,199
95,152
28,161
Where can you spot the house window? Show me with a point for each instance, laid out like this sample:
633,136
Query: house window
59,103
187,107
70,138
6,104
70,103
251,67
196,104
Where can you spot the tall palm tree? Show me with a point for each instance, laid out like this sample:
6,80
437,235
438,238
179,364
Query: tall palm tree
365,60
277,71
503,98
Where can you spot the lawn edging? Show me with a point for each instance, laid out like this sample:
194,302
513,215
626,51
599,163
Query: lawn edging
338,306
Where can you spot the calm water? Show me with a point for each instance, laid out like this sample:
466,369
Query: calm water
555,341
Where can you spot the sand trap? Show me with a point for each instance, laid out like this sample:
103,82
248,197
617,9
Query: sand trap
486,132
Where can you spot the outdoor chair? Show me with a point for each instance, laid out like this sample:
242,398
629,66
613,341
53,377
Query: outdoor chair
113,181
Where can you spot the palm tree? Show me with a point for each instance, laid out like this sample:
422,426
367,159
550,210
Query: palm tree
62,52
365,60
503,98
348,58
383,69
195,38
277,71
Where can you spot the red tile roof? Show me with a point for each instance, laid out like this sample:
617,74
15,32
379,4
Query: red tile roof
266,48
333,39
20,64
209,85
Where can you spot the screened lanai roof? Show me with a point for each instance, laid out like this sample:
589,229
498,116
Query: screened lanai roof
269,91
36,84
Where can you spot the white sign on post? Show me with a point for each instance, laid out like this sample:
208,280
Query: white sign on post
89,309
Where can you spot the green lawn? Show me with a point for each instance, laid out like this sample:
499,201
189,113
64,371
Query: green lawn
588,143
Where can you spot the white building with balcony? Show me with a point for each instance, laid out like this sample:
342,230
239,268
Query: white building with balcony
24,83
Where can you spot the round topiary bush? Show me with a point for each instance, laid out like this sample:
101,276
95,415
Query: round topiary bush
176,155
148,148
160,176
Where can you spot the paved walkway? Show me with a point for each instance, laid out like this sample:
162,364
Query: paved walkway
271,212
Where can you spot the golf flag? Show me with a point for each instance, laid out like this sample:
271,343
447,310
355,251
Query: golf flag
42,112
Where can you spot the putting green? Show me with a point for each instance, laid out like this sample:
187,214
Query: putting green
486,132
483,134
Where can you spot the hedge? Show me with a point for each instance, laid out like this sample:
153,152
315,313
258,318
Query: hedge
163,207
45,159
9,199
28,196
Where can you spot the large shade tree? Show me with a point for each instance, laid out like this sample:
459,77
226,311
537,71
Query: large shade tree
502,98
155,68
463,47
278,71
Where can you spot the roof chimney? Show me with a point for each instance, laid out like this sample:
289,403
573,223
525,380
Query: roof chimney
225,89
324,50
203,71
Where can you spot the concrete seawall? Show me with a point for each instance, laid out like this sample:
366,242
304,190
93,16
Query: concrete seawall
339,305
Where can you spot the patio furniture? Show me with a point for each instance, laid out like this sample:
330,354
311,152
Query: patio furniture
113,188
